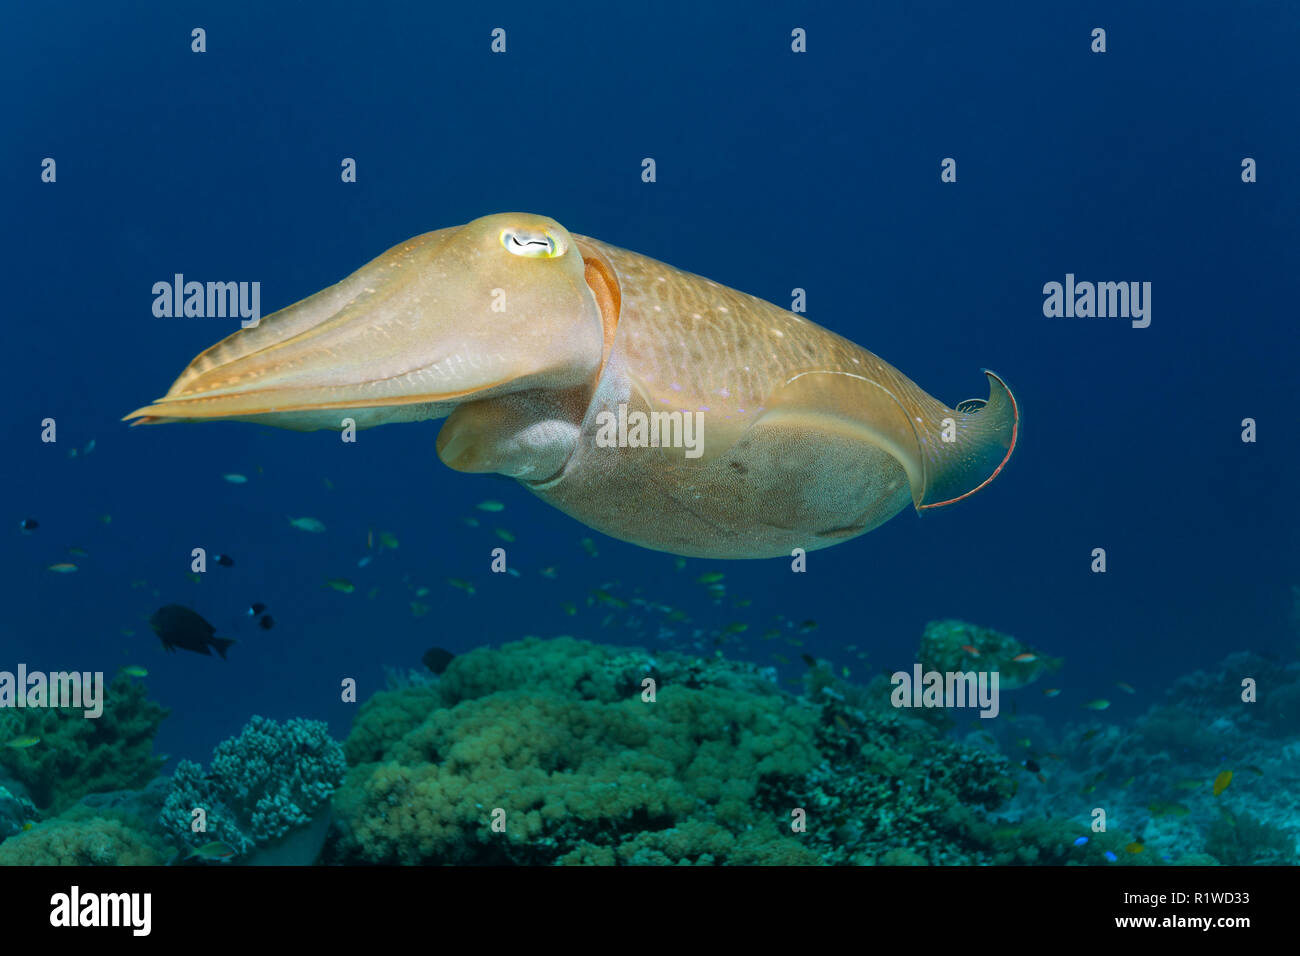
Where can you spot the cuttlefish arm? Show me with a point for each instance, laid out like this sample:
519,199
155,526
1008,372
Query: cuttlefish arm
525,337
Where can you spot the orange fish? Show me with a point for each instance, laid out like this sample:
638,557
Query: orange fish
971,650
1126,688
1051,691
1024,658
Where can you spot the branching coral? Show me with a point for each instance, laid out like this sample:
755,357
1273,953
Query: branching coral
270,780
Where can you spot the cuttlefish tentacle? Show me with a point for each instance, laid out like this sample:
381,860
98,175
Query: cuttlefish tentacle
531,341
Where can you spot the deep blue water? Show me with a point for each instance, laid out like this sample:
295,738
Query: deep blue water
775,171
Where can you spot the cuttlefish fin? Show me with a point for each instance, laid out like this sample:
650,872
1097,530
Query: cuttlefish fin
946,453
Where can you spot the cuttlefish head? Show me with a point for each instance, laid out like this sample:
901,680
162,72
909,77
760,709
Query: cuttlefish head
496,306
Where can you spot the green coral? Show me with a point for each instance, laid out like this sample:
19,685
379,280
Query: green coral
78,755
80,841
552,740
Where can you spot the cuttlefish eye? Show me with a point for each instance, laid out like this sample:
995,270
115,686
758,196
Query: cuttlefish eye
534,243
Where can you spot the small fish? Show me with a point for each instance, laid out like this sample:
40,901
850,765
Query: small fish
711,577
179,626
370,539
421,592
549,573
841,722
437,659
235,479
63,567
472,522
1164,808
1111,856
28,525
514,572
90,446
22,743
1051,692
736,627
342,585
1024,658
1125,687
419,609
106,519
504,535
364,561
388,540
971,649
679,563
1081,841
807,627
255,609
844,672
1253,769
569,608
196,578
461,584
372,592
78,552
601,596
215,850
1099,704
770,635
135,670
1221,782
313,525
225,560
490,506
589,546
809,660
266,622
1134,848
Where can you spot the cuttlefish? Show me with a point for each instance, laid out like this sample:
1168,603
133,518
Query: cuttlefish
649,403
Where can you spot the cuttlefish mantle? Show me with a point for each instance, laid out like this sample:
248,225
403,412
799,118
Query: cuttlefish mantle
651,404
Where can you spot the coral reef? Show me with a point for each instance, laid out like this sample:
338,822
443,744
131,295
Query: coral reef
264,785
1155,776
76,841
550,752
77,755
553,742
945,647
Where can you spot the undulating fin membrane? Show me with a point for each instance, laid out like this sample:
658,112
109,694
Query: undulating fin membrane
983,436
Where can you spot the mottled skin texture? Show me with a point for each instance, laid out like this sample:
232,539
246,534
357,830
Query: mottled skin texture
522,334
